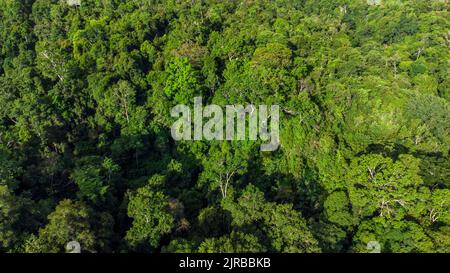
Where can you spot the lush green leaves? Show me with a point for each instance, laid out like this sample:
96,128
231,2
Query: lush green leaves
86,153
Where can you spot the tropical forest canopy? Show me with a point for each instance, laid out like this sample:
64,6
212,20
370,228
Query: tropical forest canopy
86,152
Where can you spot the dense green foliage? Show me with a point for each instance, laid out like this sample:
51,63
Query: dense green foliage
86,152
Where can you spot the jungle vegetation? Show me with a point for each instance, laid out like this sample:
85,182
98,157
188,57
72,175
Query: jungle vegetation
86,152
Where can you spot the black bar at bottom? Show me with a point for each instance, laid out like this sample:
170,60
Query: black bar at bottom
271,262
